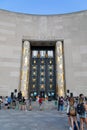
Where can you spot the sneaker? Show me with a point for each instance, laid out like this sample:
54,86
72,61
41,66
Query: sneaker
70,128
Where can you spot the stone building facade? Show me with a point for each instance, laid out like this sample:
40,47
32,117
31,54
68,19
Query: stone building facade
67,33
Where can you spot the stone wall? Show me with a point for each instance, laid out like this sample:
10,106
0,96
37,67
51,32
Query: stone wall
71,28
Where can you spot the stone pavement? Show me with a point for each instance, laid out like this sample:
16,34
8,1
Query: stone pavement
47,119
32,120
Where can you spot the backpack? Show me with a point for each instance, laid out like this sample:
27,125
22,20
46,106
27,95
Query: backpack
72,111
80,109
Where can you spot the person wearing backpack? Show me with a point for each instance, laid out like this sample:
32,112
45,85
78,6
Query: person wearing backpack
73,114
61,103
82,112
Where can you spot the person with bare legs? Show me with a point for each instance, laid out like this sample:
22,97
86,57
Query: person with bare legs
81,111
73,114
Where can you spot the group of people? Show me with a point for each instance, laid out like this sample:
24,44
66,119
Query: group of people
18,102
77,112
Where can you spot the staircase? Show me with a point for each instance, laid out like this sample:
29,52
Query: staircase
46,105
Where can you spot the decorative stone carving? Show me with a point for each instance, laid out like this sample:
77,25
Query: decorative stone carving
59,69
25,68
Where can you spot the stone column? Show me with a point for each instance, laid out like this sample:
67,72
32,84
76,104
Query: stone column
59,69
25,69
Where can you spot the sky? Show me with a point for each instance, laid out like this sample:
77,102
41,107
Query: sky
44,6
